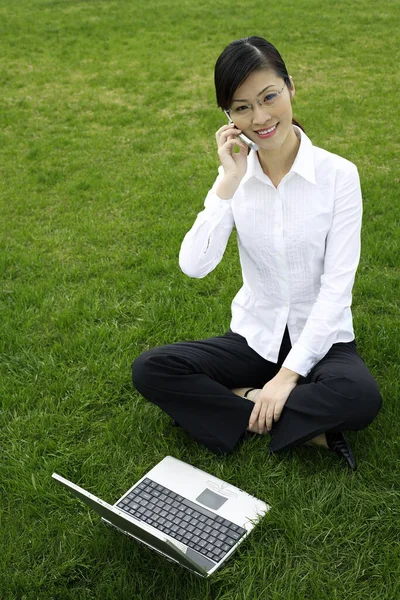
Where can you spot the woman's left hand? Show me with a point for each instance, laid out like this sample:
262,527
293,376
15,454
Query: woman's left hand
271,399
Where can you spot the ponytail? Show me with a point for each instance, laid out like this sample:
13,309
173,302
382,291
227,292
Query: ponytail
294,122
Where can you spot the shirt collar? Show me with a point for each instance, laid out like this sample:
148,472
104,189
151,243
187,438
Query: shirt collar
304,161
303,164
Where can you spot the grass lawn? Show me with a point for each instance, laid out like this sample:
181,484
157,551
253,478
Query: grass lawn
107,121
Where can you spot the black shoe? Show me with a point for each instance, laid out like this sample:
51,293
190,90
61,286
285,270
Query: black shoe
338,443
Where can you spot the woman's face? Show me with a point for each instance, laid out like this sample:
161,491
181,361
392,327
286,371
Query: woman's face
270,126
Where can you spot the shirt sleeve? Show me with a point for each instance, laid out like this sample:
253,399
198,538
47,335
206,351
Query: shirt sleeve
204,245
342,255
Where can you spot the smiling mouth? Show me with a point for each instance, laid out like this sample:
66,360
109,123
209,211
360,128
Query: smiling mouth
267,132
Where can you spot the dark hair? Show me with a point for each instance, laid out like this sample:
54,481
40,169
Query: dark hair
241,58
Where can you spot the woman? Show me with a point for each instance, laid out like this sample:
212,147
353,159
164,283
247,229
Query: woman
297,212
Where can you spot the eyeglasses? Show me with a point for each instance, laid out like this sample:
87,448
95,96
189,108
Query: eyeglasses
245,110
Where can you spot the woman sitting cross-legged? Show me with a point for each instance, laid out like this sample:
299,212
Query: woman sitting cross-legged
289,364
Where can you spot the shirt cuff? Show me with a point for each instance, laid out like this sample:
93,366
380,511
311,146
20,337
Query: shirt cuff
300,360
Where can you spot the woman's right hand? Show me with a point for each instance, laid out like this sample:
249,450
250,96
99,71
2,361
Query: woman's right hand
234,163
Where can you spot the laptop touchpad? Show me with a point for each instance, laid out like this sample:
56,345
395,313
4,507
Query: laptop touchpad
211,499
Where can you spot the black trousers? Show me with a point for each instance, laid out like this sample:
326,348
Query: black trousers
192,382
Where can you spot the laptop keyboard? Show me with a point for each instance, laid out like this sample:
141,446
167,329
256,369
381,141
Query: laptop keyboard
176,516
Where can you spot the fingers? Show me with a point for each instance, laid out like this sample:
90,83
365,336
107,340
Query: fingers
277,411
254,414
234,161
273,414
227,133
268,406
264,414
266,418
259,417
227,130
269,418
229,146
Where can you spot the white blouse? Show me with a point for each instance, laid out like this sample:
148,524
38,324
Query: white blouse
299,247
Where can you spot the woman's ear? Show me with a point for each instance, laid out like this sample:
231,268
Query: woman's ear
292,90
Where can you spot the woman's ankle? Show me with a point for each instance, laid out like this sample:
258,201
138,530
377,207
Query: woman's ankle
319,440
246,392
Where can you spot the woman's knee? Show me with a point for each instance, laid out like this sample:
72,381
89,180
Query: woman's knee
368,400
157,364
371,402
142,370
361,398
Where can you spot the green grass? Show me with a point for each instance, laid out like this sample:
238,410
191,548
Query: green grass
107,121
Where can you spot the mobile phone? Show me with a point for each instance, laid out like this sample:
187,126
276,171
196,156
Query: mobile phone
241,136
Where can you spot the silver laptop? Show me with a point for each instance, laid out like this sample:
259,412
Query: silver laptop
189,516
